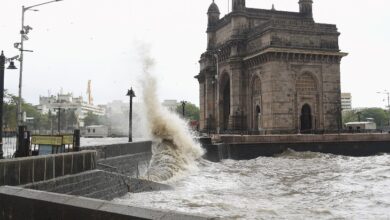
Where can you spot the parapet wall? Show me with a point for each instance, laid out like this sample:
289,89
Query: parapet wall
115,150
130,159
25,204
34,169
96,184
132,165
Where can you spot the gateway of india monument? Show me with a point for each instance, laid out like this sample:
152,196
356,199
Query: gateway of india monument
269,72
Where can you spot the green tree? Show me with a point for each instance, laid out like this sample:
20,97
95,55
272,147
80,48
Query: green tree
68,119
380,116
9,110
191,111
91,119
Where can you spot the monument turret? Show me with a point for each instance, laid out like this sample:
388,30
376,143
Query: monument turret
306,8
213,18
238,5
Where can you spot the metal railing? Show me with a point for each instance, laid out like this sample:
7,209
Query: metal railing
9,144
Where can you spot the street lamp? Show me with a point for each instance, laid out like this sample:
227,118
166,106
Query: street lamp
131,94
20,45
3,60
183,105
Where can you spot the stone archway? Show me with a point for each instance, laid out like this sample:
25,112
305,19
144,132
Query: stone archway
306,118
307,102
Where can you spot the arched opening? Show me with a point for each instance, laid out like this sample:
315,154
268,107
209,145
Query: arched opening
306,118
307,97
225,104
257,122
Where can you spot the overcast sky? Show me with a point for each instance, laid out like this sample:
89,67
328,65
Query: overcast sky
79,40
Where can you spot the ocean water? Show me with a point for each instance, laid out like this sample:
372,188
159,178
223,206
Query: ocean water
293,185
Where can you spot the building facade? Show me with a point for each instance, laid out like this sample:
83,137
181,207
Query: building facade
269,71
346,101
63,102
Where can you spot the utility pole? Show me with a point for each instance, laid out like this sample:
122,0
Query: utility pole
20,45
2,66
131,94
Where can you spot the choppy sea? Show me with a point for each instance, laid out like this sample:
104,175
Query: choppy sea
293,185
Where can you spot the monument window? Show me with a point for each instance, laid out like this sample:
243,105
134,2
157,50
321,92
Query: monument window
306,84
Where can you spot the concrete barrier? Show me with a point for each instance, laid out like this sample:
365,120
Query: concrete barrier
34,169
97,184
115,150
25,204
132,165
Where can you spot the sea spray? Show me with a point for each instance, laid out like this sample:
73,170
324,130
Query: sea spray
174,149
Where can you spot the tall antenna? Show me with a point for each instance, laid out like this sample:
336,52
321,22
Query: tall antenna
89,92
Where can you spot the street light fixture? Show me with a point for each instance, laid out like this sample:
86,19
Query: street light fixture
131,94
3,60
20,45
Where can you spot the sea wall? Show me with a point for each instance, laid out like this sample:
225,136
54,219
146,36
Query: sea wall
96,184
133,165
26,204
303,138
130,159
40,168
249,147
115,150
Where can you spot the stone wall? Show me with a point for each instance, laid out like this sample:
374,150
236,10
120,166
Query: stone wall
115,150
25,204
302,138
250,147
96,184
34,169
133,165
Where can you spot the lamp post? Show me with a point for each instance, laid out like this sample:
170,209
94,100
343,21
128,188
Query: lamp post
131,94
183,105
23,36
3,60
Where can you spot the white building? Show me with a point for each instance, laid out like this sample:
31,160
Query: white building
170,104
68,102
346,101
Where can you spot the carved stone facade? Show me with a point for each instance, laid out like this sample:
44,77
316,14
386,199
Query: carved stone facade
269,71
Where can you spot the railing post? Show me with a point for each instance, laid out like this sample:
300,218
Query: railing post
76,140
23,142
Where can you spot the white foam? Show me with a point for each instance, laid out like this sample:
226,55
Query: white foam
174,149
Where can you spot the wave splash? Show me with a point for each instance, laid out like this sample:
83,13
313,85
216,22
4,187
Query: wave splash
174,150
